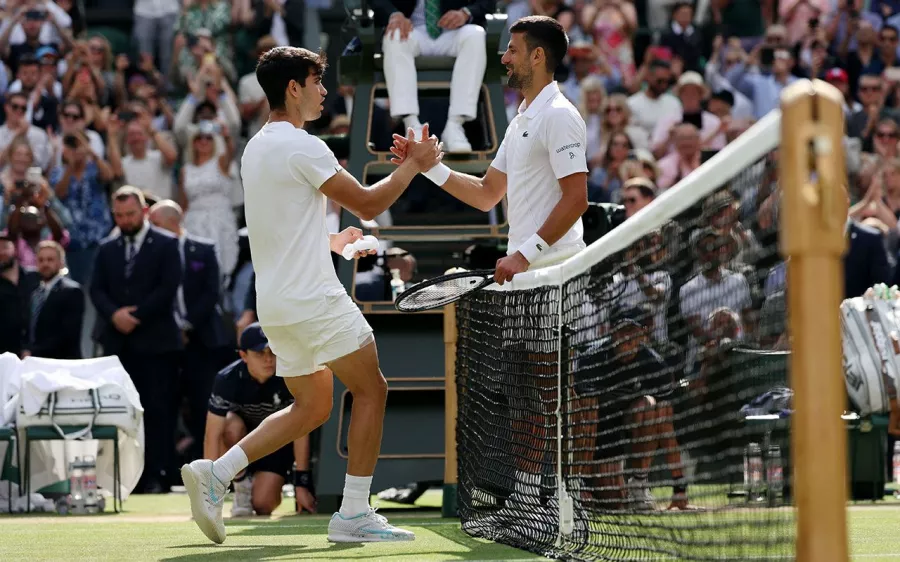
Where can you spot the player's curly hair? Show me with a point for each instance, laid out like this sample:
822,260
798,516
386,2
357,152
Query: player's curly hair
277,67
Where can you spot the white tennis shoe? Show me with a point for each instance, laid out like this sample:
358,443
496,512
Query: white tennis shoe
207,495
365,527
242,502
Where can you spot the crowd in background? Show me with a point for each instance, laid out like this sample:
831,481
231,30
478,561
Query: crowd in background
661,84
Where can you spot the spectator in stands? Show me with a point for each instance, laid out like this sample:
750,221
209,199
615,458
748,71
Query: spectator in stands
204,190
254,106
612,24
884,140
56,313
637,193
585,64
72,121
764,90
143,166
17,124
682,38
198,314
799,16
43,105
136,277
638,285
154,28
691,91
14,180
721,60
79,183
605,181
29,225
210,98
862,123
684,159
207,19
747,20
30,20
616,118
653,103
428,27
203,53
713,287
16,286
593,97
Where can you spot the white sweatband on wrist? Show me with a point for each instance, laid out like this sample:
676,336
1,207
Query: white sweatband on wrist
439,174
533,248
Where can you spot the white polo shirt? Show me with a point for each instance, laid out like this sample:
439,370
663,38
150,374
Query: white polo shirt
544,143
282,170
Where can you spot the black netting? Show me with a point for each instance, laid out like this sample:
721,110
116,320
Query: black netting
667,416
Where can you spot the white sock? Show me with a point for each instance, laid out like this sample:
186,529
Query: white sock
229,464
458,119
356,495
411,121
527,484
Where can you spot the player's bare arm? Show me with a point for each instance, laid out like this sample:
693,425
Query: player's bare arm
369,202
567,211
482,193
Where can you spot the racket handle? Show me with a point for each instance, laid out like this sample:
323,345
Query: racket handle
365,243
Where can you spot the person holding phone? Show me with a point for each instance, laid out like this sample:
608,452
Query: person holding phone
142,166
80,183
204,190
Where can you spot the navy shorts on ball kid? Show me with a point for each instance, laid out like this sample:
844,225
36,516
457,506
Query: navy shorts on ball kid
281,462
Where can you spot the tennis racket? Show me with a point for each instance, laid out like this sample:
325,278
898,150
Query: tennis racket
443,290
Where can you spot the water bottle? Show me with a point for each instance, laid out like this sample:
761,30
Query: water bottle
89,484
753,471
397,284
76,488
775,474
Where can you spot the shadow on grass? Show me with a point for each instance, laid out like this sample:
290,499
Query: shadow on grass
256,552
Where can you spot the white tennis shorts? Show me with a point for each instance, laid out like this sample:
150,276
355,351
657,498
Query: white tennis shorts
306,347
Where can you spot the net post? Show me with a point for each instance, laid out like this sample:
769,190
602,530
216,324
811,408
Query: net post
814,201
449,506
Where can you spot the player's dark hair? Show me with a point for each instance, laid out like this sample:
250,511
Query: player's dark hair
546,33
278,66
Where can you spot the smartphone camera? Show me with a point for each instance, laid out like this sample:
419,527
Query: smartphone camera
208,128
70,141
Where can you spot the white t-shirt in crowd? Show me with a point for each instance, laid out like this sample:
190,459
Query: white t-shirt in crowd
700,296
150,174
249,90
544,143
282,170
647,112
632,296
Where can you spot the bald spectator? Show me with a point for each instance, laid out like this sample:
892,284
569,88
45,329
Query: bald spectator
198,314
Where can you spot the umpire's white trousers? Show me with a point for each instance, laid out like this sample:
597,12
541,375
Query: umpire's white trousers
466,43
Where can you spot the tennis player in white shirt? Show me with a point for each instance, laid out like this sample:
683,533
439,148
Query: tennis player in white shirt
542,169
312,325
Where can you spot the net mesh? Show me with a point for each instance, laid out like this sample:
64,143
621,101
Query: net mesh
648,383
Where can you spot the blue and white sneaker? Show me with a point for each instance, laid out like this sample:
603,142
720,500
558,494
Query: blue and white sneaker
365,527
207,495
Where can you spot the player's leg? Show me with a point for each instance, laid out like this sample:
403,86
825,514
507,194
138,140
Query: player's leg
356,521
206,482
267,492
400,76
242,504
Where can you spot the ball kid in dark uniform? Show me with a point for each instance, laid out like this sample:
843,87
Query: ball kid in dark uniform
244,394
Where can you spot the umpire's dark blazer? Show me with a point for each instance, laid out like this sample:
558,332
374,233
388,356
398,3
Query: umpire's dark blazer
57,334
384,8
202,287
866,261
152,287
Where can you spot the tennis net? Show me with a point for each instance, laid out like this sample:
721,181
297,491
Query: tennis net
632,403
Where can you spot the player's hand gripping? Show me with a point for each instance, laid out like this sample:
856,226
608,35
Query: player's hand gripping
305,500
510,265
348,236
403,146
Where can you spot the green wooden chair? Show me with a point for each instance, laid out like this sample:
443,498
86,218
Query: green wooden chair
49,433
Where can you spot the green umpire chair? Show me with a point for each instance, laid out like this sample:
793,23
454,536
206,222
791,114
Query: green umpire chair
365,70
49,433
8,434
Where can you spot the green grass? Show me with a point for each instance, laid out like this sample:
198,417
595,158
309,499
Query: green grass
159,528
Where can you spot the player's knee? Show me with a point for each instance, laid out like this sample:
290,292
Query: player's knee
374,389
321,411
265,504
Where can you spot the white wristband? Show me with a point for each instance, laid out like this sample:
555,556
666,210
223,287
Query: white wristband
439,174
533,248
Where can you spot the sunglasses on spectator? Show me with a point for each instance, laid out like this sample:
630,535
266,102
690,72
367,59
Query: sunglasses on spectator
869,88
614,109
17,108
886,134
889,38
72,115
96,48
775,38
